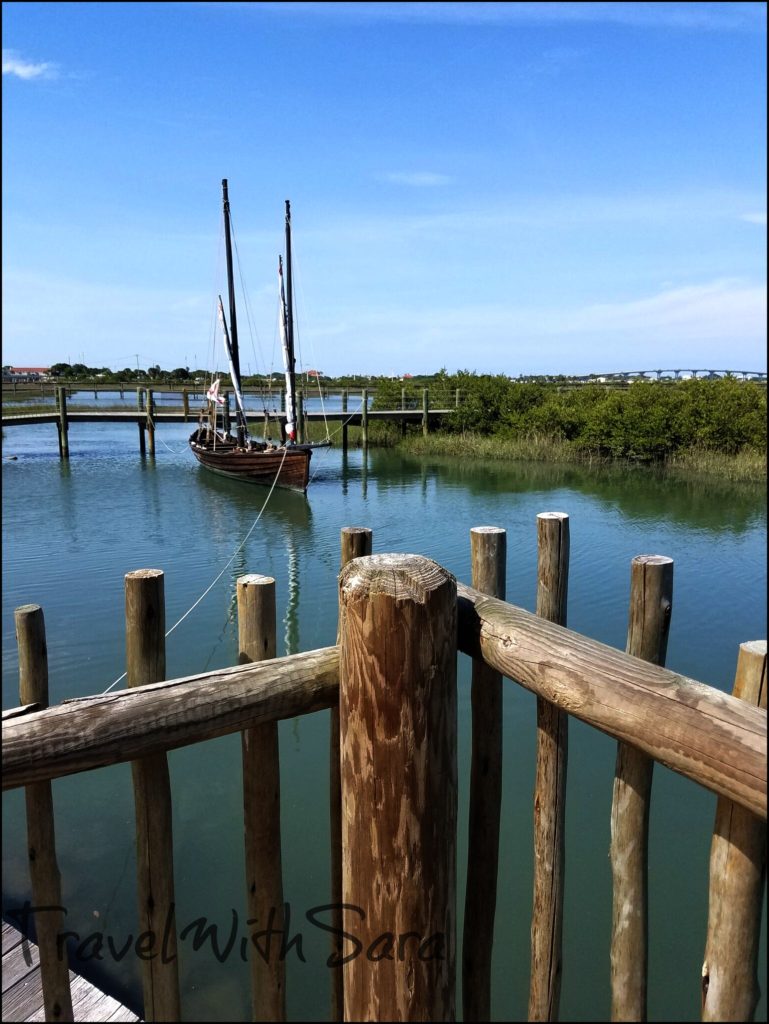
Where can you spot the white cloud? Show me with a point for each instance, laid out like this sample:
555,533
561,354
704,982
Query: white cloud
417,179
716,325
14,64
755,218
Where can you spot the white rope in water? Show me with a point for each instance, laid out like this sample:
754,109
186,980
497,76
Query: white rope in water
226,567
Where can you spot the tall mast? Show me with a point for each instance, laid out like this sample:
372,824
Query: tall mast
231,294
291,361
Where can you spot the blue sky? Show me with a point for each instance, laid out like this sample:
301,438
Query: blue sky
502,187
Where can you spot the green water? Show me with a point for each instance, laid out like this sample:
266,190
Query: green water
71,532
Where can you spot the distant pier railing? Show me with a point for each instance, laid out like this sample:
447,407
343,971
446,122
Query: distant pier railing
391,683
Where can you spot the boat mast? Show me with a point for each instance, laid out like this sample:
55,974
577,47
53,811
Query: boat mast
233,318
291,409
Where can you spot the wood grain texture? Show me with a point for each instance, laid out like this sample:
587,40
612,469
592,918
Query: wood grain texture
261,803
399,786
651,602
354,542
549,785
730,987
706,735
41,837
146,663
488,552
91,732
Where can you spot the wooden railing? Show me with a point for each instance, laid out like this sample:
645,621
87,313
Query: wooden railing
391,684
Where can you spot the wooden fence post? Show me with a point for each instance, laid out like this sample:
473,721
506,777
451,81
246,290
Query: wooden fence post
550,785
355,541
651,597
146,663
399,786
63,425
41,841
730,988
261,803
489,563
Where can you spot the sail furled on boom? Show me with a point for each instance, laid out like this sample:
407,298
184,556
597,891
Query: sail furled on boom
290,399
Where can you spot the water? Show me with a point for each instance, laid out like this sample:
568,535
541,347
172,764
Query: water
71,532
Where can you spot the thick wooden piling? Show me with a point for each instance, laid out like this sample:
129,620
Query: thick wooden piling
140,410
63,425
226,415
489,562
146,663
425,411
151,421
550,785
41,841
399,787
651,599
730,988
186,404
261,804
355,542
300,416
344,422
364,418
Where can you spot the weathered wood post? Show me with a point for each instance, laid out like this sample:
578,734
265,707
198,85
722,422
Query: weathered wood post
261,803
550,785
355,542
151,421
140,409
186,404
456,398
146,663
651,598
403,399
399,787
344,422
63,425
730,989
41,841
489,563
300,416
364,418
425,411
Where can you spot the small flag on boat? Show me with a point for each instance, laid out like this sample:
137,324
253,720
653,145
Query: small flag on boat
213,393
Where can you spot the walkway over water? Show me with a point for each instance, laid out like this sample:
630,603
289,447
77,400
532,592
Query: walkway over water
23,987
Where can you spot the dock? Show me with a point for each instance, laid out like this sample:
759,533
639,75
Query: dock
23,987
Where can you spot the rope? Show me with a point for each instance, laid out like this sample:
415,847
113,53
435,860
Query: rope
226,567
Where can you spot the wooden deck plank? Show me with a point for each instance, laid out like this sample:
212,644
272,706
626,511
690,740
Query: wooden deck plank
23,988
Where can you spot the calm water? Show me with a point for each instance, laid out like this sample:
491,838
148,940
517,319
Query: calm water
71,532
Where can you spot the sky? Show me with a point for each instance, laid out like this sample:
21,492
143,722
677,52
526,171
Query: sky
512,188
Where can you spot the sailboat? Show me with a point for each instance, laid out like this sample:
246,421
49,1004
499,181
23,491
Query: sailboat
239,456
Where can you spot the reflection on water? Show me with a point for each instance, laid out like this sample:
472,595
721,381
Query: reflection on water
72,530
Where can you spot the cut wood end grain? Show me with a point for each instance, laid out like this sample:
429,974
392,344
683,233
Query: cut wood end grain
400,576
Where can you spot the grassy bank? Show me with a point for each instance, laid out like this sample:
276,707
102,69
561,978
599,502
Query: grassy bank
745,466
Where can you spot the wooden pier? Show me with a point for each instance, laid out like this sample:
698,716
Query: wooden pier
390,681
148,415
23,987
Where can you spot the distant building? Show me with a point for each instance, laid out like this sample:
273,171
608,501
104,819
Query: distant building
24,374
316,374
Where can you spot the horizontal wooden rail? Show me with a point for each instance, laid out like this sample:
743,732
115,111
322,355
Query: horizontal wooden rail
92,732
708,736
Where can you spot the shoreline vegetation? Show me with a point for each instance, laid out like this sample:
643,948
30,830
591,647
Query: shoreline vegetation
694,427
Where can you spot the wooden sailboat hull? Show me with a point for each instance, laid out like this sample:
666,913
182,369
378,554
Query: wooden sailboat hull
255,466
